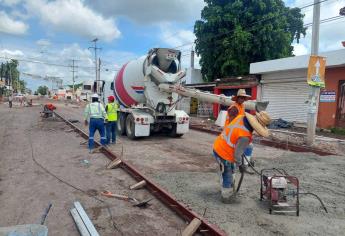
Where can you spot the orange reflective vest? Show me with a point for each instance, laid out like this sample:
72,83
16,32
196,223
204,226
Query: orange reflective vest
241,110
225,143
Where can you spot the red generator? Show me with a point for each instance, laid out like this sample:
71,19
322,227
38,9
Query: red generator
280,190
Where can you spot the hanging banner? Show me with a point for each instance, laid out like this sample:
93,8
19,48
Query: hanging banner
316,71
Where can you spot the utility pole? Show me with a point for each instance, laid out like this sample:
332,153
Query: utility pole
315,90
73,78
96,64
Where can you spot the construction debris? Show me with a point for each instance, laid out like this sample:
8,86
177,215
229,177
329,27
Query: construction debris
84,142
114,163
136,202
192,227
138,185
45,214
83,222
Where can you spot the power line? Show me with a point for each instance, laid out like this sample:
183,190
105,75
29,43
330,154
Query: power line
48,63
312,4
333,18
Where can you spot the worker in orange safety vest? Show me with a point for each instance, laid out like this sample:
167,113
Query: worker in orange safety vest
230,145
238,109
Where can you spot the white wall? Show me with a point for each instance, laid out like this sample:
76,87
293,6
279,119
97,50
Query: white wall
193,76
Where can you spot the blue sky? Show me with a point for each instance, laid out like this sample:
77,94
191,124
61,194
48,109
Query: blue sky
42,32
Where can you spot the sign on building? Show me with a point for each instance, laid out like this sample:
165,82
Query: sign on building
316,71
327,96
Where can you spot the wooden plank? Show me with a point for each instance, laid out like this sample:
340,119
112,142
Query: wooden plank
84,142
114,163
192,227
138,185
79,222
90,227
97,149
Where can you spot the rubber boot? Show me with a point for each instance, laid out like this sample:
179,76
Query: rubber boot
228,195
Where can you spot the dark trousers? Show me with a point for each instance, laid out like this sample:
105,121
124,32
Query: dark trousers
96,124
111,131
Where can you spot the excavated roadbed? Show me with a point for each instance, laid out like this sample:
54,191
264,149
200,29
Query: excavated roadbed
183,166
186,168
42,162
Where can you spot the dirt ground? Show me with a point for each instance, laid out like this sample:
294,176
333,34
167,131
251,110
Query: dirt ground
185,168
40,163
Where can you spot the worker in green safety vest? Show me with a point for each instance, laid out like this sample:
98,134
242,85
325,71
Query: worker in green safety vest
111,109
95,115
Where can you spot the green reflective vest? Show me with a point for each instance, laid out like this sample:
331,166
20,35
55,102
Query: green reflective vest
95,110
112,111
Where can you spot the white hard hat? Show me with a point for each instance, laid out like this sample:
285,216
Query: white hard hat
95,95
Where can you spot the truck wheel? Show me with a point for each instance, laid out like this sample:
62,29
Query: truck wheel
120,124
173,132
130,127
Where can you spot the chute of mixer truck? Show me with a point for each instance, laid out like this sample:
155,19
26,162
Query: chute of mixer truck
148,90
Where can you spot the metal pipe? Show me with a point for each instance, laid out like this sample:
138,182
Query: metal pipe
210,97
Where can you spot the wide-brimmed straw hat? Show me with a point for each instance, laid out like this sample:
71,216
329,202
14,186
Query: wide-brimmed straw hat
259,122
241,93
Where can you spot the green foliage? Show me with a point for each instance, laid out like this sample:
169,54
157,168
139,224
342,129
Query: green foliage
76,86
234,33
336,130
10,73
43,90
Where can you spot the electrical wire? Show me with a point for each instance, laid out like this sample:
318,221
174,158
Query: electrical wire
317,197
281,171
72,186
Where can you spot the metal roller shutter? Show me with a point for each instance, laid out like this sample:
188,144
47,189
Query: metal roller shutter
287,100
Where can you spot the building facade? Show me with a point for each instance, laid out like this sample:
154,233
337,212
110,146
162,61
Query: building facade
284,84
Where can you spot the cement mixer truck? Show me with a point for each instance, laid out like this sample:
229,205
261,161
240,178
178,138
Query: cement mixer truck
148,90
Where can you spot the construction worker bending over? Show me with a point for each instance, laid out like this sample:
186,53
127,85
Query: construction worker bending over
238,109
96,113
111,108
229,147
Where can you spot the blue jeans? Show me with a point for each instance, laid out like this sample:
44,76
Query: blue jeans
248,152
226,171
96,124
111,131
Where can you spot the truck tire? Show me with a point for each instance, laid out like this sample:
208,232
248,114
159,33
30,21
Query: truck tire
173,132
120,124
130,127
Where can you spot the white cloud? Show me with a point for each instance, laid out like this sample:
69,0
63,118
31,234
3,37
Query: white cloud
74,17
11,26
10,2
150,11
299,49
30,59
181,40
331,33
10,53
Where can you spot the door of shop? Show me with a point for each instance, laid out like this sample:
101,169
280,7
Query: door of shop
341,105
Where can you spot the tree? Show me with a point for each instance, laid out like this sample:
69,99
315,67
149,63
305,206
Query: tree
10,74
76,86
234,33
43,90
